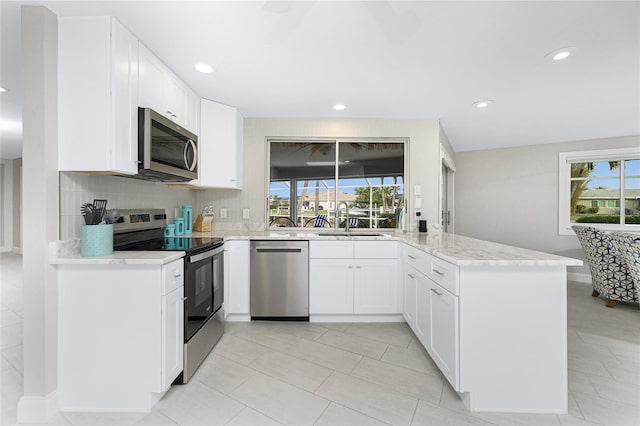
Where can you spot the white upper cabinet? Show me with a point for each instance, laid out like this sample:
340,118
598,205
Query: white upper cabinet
165,93
220,146
97,96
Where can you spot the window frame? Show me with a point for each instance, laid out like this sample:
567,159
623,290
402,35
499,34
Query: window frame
404,140
564,189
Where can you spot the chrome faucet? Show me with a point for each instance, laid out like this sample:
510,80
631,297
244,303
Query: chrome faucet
346,205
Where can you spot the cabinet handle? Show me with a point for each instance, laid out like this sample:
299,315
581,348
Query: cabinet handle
169,114
438,272
350,267
177,273
232,180
411,256
411,276
436,292
184,299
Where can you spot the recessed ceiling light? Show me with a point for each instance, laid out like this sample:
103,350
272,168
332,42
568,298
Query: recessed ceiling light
204,68
482,104
339,107
2,89
560,54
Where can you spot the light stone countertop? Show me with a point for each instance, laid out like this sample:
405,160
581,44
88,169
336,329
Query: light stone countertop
455,249
68,253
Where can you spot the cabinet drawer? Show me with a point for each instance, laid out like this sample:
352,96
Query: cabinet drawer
416,258
330,249
172,276
444,273
375,250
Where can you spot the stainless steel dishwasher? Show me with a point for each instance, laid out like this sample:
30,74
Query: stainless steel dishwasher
280,280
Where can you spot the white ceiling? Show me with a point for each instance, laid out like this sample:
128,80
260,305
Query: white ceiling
389,59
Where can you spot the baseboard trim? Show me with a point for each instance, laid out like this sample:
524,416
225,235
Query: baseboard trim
37,409
5,249
579,277
356,318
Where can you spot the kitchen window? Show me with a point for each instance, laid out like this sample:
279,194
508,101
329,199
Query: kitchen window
312,181
599,188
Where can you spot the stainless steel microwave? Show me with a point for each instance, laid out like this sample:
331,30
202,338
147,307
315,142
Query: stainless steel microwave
167,152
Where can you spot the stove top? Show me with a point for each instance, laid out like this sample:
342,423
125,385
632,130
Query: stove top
141,230
188,244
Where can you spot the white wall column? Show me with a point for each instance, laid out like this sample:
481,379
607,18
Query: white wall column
40,212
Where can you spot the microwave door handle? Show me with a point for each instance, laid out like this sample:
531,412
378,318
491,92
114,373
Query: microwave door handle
191,144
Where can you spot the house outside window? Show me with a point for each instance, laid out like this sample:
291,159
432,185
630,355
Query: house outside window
599,188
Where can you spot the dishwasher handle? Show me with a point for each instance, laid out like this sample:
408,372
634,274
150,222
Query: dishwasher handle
279,249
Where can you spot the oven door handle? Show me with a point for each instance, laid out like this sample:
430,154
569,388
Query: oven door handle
205,255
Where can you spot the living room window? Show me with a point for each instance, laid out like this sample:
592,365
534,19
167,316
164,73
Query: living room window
599,188
311,182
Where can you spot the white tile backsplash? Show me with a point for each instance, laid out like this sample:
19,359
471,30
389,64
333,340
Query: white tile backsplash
121,192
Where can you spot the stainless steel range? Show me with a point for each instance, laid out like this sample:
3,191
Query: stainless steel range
142,230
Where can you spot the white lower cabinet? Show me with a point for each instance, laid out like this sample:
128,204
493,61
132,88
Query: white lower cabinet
173,336
431,310
236,281
375,286
120,334
330,286
409,289
342,281
443,331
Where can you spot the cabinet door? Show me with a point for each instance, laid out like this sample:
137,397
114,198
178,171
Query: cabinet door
409,283
331,286
124,105
175,99
172,336
150,81
237,298
422,309
443,341
220,146
375,286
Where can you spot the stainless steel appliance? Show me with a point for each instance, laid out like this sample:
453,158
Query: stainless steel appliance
166,151
141,230
280,280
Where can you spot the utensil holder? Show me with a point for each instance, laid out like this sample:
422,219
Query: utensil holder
179,222
96,240
187,215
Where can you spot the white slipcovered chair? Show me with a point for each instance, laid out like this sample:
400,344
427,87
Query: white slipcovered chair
610,276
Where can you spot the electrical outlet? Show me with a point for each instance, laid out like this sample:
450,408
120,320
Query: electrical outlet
245,213
223,212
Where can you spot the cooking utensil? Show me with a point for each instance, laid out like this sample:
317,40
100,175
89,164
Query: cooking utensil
88,210
101,208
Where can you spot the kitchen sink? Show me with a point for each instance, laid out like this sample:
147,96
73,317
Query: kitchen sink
351,234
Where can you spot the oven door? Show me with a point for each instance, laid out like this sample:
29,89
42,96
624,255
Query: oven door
199,304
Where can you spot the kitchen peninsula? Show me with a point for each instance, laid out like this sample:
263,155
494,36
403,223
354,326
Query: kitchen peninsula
492,317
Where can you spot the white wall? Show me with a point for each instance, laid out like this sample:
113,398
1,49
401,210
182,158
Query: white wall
120,192
17,205
40,199
424,165
510,195
6,205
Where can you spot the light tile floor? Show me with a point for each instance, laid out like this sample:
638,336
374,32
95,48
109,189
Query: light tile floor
354,374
